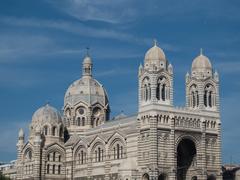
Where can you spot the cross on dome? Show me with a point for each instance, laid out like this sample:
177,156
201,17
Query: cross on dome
87,51
201,51
155,42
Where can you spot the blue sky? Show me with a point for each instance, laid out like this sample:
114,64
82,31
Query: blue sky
42,44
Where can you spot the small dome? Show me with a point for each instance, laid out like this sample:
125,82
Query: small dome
46,114
87,90
155,53
202,63
87,60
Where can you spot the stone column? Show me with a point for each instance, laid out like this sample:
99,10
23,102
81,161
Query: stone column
201,159
218,153
20,145
44,164
201,95
89,164
153,149
37,155
107,165
172,155
171,89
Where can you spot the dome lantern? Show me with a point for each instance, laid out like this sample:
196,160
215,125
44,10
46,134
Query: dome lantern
87,65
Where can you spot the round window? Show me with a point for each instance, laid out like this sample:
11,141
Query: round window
81,111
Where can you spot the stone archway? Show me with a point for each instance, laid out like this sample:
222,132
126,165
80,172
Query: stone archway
186,155
162,177
145,177
211,177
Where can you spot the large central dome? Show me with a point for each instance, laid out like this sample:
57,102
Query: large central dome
87,90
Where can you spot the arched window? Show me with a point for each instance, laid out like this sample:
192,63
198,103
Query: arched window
81,155
54,156
79,121
54,131
162,90
209,96
121,152
59,158
45,130
114,153
96,156
117,150
99,154
210,99
158,91
194,96
80,116
146,89
83,121
146,92
193,100
61,132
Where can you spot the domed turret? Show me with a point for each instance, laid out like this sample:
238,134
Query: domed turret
155,57
201,66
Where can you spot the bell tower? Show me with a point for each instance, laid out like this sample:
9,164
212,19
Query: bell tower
155,79
202,85
155,94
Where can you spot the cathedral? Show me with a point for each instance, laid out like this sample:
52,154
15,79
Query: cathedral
161,142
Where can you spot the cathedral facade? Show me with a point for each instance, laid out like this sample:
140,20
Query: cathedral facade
161,142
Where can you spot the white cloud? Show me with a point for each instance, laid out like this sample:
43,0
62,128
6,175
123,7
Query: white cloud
104,10
76,28
125,11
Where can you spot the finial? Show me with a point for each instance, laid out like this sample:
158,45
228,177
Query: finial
87,51
201,51
155,42
47,103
